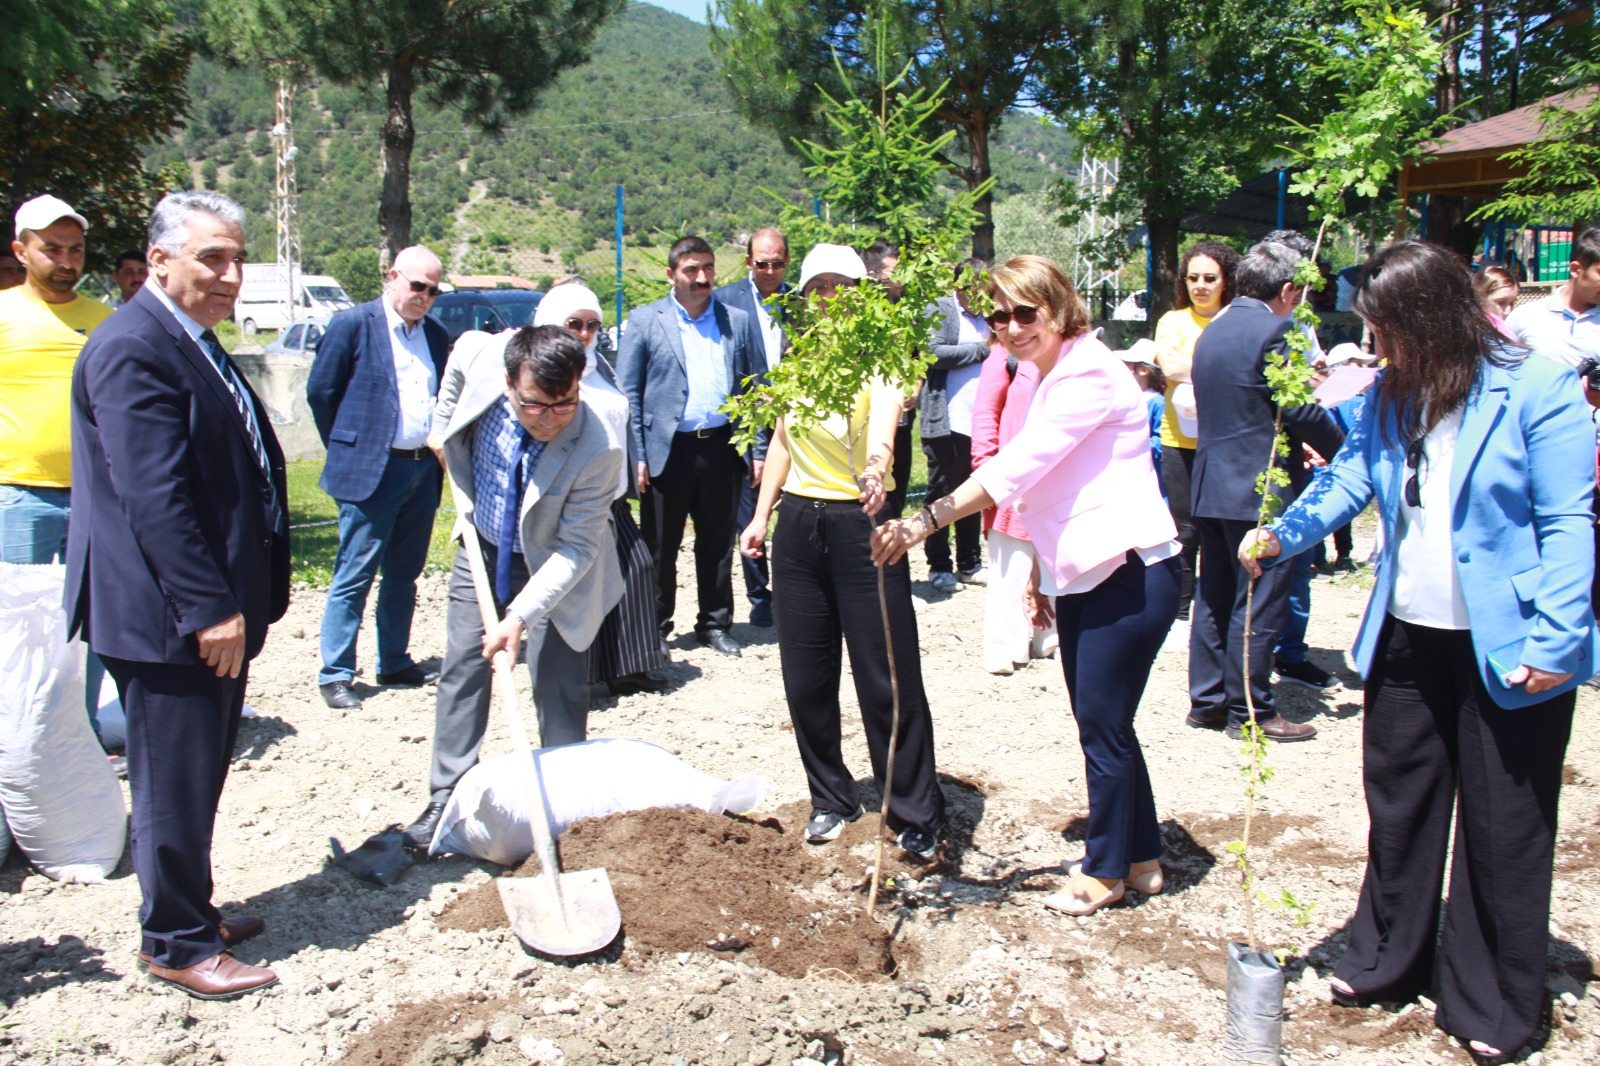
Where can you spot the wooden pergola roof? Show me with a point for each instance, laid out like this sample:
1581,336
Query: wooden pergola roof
1466,161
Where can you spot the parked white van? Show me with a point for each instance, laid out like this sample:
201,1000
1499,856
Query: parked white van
260,305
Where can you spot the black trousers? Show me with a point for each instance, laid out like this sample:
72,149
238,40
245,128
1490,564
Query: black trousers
1177,473
1217,636
757,585
1110,636
699,481
183,724
949,464
825,588
1433,742
895,505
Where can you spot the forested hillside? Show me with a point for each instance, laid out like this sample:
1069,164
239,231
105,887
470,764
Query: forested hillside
650,112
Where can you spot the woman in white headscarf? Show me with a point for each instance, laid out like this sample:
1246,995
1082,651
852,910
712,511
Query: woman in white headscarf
627,652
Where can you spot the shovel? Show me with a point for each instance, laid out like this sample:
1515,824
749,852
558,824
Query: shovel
555,913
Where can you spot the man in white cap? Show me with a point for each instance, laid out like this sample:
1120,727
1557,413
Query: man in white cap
43,324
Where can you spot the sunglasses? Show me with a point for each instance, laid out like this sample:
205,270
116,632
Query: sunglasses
1023,316
769,264
421,286
560,407
1413,489
581,325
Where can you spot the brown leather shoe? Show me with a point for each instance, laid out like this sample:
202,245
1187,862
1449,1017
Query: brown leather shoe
238,929
220,977
1280,729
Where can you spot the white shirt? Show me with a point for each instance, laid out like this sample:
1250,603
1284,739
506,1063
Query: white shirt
416,380
1427,588
771,331
961,386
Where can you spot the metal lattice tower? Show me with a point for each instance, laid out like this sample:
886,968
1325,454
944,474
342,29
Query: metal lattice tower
1097,178
285,197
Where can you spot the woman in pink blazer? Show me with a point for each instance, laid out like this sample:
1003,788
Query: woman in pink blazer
1079,475
1005,389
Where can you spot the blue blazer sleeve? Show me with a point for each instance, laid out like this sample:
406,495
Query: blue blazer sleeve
332,369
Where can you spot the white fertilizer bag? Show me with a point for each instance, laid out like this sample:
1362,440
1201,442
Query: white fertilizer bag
487,816
60,795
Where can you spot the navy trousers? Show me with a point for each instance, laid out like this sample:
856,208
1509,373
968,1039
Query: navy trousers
1217,635
183,723
757,584
1110,636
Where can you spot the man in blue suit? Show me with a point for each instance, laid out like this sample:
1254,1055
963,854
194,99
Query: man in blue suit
766,254
681,358
371,391
177,561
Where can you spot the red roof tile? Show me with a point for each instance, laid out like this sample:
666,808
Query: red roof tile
1504,132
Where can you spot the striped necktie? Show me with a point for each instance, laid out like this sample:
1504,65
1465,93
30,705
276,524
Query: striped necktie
224,365
511,516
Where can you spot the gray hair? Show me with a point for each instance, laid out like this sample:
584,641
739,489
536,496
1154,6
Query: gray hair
1266,270
169,222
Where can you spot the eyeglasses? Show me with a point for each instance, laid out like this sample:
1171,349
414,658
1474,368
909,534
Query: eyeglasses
1209,279
421,286
580,325
1024,316
1414,459
560,407
769,264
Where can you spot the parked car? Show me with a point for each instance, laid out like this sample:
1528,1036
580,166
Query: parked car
489,310
301,338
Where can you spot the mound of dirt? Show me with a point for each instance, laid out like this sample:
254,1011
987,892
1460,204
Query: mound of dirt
691,881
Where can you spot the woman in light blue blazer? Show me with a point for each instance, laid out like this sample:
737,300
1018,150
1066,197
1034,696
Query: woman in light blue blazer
1479,629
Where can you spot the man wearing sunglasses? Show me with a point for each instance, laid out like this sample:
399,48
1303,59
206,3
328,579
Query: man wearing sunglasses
760,297
371,391
538,473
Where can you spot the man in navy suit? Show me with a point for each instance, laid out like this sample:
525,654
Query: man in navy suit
681,358
177,561
1237,415
766,255
371,391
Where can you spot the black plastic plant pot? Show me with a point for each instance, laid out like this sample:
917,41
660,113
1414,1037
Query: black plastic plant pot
1255,1008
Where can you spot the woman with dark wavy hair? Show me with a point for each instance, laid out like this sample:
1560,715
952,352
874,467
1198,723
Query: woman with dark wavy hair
1478,632
1204,287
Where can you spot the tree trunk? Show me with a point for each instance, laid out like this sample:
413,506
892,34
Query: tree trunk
983,232
398,138
1447,223
1164,237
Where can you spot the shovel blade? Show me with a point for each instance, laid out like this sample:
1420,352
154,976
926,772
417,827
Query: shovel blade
588,922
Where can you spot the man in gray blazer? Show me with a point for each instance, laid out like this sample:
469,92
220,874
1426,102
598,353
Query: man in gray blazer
537,473
681,358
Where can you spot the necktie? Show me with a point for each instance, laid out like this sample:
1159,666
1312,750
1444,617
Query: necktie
509,517
219,358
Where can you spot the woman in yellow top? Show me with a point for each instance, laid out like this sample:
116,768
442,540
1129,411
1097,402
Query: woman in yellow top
1205,286
824,588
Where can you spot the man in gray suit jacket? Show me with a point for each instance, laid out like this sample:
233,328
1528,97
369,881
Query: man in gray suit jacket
681,358
538,474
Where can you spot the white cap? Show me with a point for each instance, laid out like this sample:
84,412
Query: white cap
1143,351
42,211
1340,354
832,259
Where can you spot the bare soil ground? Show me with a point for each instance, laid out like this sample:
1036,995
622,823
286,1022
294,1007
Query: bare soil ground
742,944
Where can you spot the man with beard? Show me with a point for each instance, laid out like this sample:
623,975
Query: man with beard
43,324
681,358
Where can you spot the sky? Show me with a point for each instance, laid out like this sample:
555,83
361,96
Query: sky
692,9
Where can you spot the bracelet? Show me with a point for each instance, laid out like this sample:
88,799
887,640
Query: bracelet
927,514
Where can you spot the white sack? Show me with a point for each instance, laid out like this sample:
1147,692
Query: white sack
5,837
59,792
487,815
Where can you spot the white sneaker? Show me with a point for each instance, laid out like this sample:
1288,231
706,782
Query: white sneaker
942,581
979,576
1002,671
1177,637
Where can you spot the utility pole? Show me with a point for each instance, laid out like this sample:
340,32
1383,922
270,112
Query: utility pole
284,201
